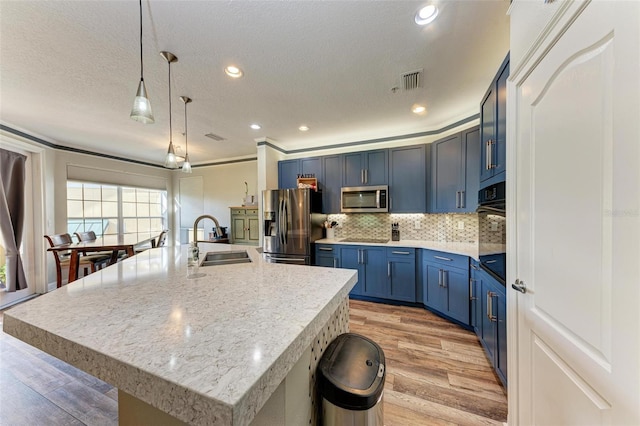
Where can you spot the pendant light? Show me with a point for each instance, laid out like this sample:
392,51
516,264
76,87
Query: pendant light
141,110
170,161
186,166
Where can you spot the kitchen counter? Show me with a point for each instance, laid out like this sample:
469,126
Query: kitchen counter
465,249
209,350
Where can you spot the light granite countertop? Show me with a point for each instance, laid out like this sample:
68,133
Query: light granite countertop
209,350
465,249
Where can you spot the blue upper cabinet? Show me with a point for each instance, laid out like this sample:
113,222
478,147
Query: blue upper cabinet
365,168
493,119
407,179
455,175
288,171
332,183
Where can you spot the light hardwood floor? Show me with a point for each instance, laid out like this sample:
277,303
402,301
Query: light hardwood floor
437,374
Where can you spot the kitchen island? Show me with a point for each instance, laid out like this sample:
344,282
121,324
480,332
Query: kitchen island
236,346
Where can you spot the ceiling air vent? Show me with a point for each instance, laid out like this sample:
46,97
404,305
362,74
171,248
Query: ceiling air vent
411,79
215,137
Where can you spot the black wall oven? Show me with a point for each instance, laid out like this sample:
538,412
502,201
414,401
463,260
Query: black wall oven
492,230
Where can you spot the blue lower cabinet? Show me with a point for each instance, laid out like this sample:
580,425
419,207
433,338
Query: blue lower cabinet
327,255
401,274
475,292
446,288
375,282
493,334
350,259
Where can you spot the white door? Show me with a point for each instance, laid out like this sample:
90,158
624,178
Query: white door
577,217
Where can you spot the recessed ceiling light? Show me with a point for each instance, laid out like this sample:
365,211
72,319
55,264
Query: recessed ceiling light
256,126
426,14
233,71
418,109
303,128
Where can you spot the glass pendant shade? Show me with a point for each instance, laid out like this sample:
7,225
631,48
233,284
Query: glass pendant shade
141,110
186,166
170,161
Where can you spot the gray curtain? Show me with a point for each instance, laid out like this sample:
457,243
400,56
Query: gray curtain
12,179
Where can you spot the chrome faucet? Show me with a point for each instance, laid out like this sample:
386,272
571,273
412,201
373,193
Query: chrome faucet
195,226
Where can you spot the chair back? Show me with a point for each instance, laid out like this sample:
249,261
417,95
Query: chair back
86,236
58,239
162,238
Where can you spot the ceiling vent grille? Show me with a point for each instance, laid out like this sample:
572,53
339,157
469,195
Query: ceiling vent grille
215,137
411,79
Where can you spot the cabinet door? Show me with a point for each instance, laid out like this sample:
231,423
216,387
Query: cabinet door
324,260
456,282
312,166
487,132
501,362
350,259
407,180
499,150
446,156
332,184
475,289
489,319
376,167
239,232
402,279
288,171
352,170
471,170
435,296
253,229
375,282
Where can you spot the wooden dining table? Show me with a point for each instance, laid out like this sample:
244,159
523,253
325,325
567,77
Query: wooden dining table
113,243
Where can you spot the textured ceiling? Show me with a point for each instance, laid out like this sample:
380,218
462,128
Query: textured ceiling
69,71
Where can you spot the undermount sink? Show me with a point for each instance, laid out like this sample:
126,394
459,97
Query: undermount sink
225,258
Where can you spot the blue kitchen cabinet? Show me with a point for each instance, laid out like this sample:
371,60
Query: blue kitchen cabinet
493,129
332,183
288,171
446,284
475,291
455,179
493,335
327,255
350,259
365,168
407,180
375,282
401,274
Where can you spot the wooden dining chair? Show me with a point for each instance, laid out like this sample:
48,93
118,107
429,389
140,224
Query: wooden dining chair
99,256
63,259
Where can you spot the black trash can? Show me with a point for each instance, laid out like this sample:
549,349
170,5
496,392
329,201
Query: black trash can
351,376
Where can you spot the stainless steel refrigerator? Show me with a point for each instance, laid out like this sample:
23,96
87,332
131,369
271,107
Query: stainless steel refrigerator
292,221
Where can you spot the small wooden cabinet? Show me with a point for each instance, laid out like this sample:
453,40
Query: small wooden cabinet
244,226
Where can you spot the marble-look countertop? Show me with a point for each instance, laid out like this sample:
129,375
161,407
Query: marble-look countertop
209,350
465,249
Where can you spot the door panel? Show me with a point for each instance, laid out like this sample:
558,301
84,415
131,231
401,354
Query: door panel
578,226
297,217
254,234
487,118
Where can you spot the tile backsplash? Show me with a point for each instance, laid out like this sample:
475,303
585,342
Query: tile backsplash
432,227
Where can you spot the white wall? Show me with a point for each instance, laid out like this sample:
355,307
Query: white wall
223,187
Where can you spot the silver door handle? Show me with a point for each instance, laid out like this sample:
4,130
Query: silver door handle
388,269
462,200
366,175
362,175
519,286
400,252
457,199
445,279
439,277
378,198
471,297
335,262
443,258
325,248
490,261
288,259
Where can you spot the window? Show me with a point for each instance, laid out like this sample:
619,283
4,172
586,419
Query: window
112,210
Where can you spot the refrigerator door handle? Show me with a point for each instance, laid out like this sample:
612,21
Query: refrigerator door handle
280,224
285,210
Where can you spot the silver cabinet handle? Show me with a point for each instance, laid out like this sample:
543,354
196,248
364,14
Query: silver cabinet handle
439,277
362,175
490,296
366,175
400,252
457,199
288,259
445,279
474,266
389,269
471,281
463,204
519,286
359,261
335,262
325,248
490,261
443,258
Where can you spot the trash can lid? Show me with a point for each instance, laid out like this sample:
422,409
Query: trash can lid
351,372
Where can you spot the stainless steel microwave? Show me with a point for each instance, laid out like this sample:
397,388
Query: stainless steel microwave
365,199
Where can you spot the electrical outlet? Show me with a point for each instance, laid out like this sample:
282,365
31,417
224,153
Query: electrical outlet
494,226
460,224
417,224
